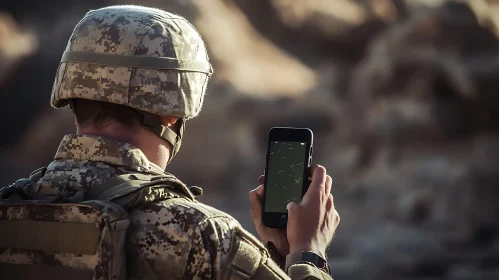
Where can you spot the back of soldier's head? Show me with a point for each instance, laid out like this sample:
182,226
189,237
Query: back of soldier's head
143,58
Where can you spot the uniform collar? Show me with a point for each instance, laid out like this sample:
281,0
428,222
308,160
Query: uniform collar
97,148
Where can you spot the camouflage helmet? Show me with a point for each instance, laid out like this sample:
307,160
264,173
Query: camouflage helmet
143,58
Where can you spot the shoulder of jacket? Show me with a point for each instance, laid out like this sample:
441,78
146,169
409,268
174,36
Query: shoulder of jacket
189,235
181,210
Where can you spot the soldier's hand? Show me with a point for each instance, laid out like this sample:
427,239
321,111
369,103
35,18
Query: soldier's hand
276,236
313,222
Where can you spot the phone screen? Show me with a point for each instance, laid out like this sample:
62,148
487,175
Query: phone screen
287,161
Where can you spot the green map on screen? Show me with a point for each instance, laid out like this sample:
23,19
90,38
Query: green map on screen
285,175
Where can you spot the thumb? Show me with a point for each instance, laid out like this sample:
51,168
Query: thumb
292,208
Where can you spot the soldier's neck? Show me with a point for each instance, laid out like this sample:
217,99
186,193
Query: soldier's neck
154,148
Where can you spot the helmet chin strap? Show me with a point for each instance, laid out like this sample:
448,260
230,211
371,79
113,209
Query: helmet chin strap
154,123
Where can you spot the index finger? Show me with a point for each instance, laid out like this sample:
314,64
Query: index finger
258,191
255,198
261,179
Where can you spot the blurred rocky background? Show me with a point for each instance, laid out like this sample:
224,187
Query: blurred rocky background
401,96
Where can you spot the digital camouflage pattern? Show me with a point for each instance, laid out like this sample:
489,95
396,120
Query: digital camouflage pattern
135,31
178,238
50,238
174,238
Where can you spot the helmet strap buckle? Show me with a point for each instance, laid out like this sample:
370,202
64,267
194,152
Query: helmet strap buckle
154,123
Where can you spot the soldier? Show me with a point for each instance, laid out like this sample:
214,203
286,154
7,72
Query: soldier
133,76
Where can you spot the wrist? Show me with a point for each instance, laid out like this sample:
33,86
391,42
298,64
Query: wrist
307,258
307,248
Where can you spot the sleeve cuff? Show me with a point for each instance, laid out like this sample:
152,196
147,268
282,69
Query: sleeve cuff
302,271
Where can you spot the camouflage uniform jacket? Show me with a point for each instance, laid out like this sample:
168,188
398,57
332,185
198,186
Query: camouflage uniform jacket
171,239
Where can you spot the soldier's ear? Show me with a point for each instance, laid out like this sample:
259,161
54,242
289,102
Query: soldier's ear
169,121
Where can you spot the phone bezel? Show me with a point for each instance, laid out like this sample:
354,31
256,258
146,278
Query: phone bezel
287,134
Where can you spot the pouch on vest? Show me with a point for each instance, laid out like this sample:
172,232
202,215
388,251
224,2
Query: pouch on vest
79,240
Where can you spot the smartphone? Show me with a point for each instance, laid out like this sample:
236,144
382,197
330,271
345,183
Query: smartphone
287,169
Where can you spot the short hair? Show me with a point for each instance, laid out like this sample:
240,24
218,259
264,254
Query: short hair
98,114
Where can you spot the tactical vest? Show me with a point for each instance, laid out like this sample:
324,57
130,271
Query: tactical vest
77,238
